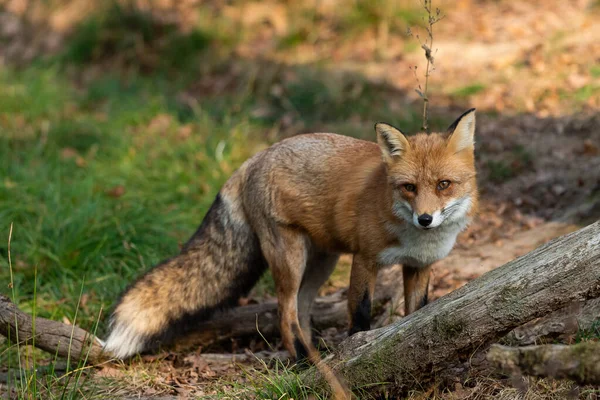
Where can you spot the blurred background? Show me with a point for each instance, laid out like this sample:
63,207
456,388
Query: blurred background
120,120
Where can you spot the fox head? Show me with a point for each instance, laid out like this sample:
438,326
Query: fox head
431,176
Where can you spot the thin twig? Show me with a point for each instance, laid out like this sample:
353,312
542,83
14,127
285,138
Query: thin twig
427,45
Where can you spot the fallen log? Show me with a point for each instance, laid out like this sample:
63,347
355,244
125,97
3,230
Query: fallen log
578,362
54,337
557,325
254,319
72,342
412,351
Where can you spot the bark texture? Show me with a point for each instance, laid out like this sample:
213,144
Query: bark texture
557,325
578,362
558,274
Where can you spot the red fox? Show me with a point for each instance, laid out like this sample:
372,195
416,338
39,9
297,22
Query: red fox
294,208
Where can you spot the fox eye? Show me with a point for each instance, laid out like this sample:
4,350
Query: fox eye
443,185
409,187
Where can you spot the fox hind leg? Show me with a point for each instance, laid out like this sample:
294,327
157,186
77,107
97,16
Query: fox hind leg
318,269
287,251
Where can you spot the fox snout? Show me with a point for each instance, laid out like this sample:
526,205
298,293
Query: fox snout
453,211
425,220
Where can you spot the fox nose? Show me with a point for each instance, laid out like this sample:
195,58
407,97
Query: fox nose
425,219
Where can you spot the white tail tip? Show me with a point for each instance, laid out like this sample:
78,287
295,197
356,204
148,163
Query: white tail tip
123,341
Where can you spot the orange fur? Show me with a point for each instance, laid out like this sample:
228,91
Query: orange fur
295,207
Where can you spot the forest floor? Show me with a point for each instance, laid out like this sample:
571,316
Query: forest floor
117,132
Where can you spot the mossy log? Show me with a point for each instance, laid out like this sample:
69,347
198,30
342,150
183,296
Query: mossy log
579,362
413,350
557,325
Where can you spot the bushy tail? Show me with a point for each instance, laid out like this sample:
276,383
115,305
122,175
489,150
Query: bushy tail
220,263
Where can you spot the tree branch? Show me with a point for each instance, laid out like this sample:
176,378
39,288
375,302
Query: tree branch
52,336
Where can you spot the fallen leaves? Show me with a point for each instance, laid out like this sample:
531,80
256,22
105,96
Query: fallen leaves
110,371
590,148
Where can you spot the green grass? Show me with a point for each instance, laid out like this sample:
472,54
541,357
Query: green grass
468,90
499,171
580,96
303,21
281,382
518,160
362,15
63,153
277,380
99,183
293,38
129,37
592,333
27,377
584,93
333,101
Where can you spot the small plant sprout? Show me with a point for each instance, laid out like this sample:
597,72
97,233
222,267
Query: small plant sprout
433,17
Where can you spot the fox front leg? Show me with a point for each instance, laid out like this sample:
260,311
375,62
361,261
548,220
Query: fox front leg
360,293
416,285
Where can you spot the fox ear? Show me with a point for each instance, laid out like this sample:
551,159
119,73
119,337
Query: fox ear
393,143
462,132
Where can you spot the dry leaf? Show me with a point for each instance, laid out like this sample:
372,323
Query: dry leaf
116,191
108,371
